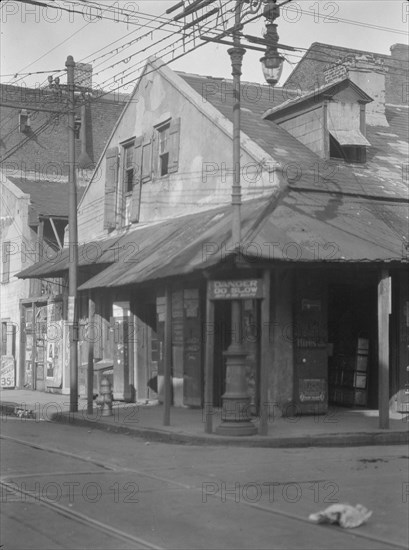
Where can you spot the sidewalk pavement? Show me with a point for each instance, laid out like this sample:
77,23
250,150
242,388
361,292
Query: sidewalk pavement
340,427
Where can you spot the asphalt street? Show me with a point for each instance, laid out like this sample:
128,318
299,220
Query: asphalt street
73,487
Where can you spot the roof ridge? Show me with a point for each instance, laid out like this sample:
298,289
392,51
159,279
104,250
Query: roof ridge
225,79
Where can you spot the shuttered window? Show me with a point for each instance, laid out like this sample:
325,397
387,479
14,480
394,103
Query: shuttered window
174,144
129,167
111,183
147,160
167,147
163,140
137,187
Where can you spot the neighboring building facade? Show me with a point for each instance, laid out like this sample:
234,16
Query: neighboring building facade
324,244
34,215
33,140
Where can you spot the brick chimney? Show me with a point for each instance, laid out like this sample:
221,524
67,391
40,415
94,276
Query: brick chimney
400,52
368,72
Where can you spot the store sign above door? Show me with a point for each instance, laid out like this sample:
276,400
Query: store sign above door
235,289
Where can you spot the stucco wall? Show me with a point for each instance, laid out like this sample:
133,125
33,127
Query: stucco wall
204,175
14,229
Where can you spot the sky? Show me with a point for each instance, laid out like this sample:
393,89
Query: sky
39,39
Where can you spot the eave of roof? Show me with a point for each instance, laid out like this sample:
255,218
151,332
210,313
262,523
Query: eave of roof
328,90
49,199
302,226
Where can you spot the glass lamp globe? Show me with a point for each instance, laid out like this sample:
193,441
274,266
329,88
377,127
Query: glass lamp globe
272,64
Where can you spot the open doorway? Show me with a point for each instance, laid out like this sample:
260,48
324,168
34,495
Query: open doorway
352,335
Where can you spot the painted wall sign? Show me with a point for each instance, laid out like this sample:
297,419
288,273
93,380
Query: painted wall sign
312,389
161,308
235,289
7,374
191,302
71,309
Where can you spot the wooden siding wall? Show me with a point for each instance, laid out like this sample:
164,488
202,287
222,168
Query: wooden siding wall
308,128
344,116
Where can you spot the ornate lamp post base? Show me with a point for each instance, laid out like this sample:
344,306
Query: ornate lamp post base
236,401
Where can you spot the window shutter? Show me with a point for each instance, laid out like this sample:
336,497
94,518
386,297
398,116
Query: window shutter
5,275
111,183
147,160
155,154
137,187
174,145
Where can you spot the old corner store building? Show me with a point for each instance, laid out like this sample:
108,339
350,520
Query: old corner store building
327,324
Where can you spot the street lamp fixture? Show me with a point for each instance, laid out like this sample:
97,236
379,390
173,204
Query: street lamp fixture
272,62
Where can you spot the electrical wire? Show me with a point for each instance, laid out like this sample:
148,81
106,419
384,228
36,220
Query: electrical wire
137,40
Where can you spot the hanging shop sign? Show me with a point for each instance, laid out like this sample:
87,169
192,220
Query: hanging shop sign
235,289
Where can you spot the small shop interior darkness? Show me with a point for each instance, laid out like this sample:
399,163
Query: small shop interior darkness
352,337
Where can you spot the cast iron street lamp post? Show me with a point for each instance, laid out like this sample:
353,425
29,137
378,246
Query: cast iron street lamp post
235,410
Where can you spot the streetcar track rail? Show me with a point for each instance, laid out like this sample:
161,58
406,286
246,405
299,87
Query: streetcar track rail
118,469
77,516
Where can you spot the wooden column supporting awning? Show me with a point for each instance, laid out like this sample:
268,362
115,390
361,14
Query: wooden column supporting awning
384,310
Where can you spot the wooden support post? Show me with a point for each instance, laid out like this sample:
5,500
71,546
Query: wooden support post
23,346
209,355
167,358
265,354
384,295
90,370
34,349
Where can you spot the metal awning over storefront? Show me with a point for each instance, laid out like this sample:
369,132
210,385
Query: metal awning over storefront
304,227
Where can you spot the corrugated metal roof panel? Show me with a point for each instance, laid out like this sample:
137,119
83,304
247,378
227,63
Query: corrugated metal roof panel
304,227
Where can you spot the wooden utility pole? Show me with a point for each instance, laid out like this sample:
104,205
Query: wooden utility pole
73,239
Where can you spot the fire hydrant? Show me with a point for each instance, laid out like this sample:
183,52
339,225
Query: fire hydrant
105,397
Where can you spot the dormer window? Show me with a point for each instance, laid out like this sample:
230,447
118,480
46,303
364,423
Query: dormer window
350,152
330,121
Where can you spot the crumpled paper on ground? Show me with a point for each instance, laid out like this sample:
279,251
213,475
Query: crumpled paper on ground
345,515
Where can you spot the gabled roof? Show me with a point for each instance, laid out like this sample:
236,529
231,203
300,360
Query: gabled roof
256,99
49,199
380,177
327,90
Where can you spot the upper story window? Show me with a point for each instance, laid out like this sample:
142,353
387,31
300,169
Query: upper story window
138,161
163,137
166,156
128,166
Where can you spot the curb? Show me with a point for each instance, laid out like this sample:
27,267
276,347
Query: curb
360,439
10,409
